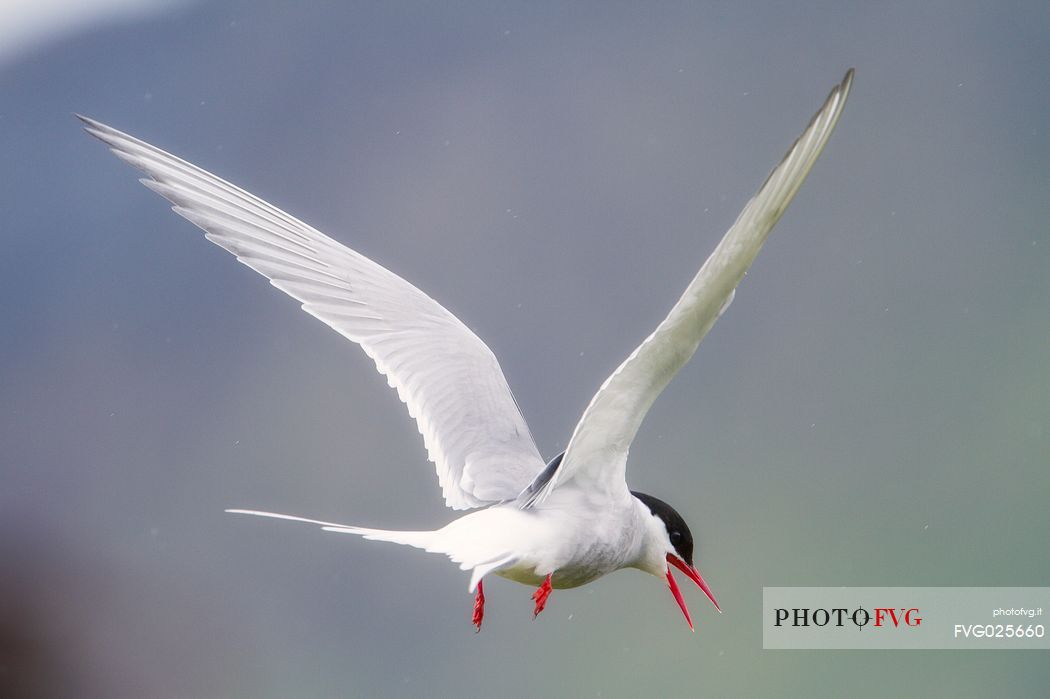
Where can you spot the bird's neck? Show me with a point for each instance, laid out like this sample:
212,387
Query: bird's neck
651,544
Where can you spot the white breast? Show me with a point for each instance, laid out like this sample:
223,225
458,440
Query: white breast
575,539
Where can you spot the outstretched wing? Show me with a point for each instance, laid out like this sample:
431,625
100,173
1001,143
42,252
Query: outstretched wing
449,379
597,453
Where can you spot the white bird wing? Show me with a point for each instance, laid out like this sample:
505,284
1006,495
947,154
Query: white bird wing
448,378
596,457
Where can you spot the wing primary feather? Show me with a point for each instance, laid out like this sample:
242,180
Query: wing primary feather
597,450
447,377
528,496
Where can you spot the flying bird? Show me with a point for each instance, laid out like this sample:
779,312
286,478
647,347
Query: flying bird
553,525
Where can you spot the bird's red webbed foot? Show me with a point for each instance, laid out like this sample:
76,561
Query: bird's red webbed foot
479,607
540,596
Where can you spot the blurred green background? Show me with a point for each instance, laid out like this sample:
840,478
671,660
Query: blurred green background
872,411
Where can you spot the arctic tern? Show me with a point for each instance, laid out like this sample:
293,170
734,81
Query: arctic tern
552,525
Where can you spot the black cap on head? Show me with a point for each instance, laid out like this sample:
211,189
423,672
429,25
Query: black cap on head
677,529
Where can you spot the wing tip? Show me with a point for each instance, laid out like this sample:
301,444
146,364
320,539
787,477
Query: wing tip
837,96
94,127
87,121
847,81
842,90
91,128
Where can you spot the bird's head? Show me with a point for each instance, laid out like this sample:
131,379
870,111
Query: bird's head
672,534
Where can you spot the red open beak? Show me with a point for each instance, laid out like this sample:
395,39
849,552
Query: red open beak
693,575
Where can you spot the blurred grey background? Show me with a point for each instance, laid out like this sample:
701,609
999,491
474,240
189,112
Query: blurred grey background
872,411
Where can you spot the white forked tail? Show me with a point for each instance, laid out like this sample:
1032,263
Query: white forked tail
448,540
420,540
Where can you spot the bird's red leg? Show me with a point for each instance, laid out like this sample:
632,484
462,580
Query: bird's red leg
540,595
479,606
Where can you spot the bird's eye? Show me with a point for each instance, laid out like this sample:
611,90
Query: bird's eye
676,536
